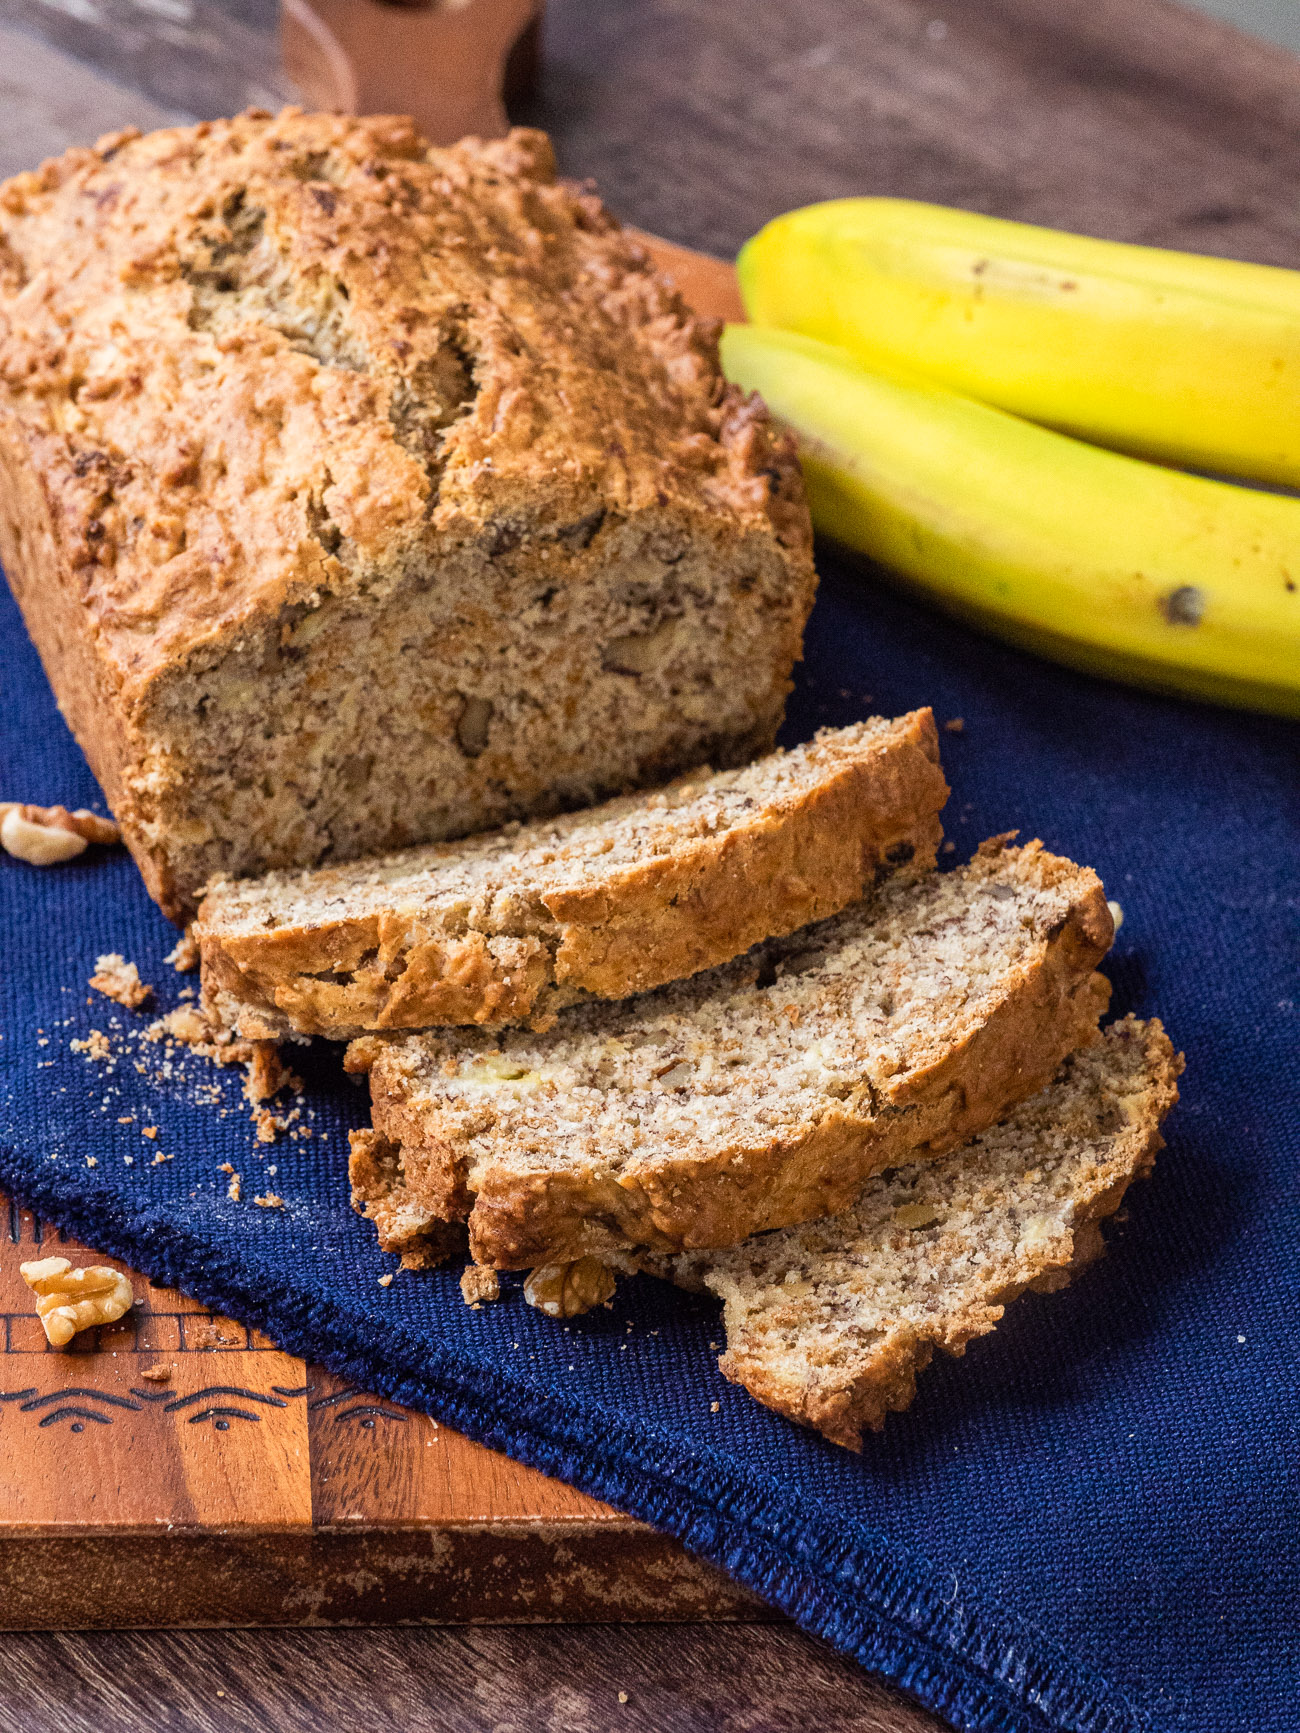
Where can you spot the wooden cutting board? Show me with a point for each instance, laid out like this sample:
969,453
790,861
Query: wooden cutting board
249,1488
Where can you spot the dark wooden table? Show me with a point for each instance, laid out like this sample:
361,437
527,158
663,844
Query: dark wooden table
700,119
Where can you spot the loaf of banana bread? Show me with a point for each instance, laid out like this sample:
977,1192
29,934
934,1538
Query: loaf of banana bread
360,494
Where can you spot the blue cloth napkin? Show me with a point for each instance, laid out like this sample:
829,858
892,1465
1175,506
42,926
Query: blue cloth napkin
1091,1522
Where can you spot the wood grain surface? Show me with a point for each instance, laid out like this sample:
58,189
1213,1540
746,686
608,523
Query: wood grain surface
675,1679
1135,119
176,1468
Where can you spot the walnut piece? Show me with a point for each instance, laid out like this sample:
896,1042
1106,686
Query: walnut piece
642,652
472,728
45,835
565,1290
117,979
479,1283
38,844
916,1215
69,1300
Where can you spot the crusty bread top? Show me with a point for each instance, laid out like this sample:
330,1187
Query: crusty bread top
830,1322
235,346
611,900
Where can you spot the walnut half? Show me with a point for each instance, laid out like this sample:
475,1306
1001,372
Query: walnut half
45,835
565,1290
69,1300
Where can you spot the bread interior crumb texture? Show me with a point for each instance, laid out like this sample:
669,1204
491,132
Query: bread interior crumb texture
916,1017
510,925
830,1322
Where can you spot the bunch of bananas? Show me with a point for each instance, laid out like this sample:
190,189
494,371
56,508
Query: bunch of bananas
989,409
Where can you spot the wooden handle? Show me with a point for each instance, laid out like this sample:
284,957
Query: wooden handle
448,66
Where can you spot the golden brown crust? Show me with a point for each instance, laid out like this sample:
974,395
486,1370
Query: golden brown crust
660,918
673,917
190,456
399,225
519,1220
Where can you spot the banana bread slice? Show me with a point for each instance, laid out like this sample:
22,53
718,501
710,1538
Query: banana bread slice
360,494
509,927
829,1323
759,1093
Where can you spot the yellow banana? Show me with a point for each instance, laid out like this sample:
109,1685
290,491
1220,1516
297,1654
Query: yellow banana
1100,561
1191,360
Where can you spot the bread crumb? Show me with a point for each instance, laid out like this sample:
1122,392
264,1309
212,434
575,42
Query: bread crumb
267,1125
117,979
622,1696
269,1200
234,1188
157,1374
95,1046
479,1283
149,1131
188,1025
185,1024
184,954
268,1074
92,1161
714,1407
386,1281
215,1333
948,848
956,725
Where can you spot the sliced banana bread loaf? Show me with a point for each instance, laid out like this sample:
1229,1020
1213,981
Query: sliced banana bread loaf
759,1093
830,1322
509,927
359,494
